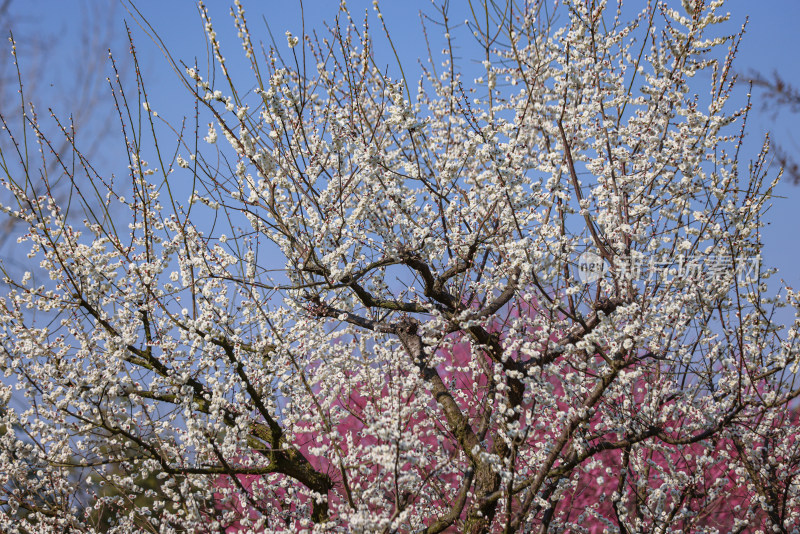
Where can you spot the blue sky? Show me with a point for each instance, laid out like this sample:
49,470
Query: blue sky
771,43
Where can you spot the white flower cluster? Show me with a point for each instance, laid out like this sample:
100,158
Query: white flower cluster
366,317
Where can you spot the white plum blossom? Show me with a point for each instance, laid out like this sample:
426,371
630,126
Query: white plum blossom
368,312
211,137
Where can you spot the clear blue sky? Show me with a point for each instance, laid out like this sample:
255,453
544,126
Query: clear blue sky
771,43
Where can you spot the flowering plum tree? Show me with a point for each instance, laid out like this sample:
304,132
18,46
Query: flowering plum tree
530,301
83,94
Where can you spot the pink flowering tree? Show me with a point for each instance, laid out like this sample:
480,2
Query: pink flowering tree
524,299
